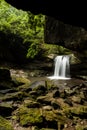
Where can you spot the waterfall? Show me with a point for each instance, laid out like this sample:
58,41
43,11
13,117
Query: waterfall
61,67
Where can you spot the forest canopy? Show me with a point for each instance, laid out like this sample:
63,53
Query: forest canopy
20,29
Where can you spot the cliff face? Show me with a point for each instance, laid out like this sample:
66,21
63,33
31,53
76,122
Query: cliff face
69,36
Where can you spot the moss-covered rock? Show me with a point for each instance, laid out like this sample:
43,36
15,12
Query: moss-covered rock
81,127
76,99
22,84
20,80
5,124
79,111
29,116
45,99
49,115
13,96
31,104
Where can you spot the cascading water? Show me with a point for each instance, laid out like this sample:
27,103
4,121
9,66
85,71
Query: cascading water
62,68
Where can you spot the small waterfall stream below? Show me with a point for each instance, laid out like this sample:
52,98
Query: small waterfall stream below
61,68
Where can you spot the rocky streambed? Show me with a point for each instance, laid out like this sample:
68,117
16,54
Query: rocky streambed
37,103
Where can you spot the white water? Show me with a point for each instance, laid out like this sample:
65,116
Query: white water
62,68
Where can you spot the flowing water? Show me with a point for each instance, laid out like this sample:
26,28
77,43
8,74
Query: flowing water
61,68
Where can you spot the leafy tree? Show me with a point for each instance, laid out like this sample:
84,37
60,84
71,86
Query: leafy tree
22,25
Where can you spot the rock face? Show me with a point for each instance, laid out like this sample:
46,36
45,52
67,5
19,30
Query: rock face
71,37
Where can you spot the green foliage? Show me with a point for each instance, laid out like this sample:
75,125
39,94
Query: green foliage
31,116
33,50
22,25
55,49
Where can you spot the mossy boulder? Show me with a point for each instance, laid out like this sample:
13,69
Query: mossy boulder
31,104
29,116
45,99
13,96
78,111
5,124
20,80
81,127
50,115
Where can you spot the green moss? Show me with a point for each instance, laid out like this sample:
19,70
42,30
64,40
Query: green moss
54,116
52,48
80,111
81,127
13,96
30,116
49,115
4,124
20,80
